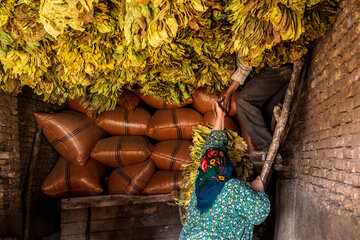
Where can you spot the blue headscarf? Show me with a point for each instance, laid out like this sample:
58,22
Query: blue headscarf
214,171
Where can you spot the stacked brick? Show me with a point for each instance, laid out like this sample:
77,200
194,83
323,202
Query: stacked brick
324,143
10,185
31,178
28,103
9,155
17,129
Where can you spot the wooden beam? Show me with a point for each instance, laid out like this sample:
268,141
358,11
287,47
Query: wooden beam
113,200
29,180
5,155
296,99
280,126
275,167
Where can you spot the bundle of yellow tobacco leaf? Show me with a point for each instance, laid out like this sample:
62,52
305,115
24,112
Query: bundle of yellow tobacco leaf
262,28
92,49
237,153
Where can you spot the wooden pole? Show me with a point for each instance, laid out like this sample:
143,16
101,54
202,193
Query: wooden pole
296,99
280,126
30,179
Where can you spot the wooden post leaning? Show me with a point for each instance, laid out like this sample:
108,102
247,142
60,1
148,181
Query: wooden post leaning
29,181
280,126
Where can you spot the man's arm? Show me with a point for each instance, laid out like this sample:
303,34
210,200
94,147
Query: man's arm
238,77
227,95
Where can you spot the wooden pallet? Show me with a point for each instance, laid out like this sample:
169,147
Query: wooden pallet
120,217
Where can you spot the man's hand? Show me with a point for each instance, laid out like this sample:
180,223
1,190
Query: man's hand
257,184
226,97
226,101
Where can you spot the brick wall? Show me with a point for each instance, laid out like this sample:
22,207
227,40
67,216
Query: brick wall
10,193
18,128
43,211
324,142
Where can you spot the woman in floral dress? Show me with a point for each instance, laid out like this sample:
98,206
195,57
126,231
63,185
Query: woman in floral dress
222,206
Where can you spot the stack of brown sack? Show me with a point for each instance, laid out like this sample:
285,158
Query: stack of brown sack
73,135
141,167
149,142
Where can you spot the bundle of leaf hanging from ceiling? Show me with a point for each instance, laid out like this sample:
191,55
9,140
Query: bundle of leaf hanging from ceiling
92,49
271,33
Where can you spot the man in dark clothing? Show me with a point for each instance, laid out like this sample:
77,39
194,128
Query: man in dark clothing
256,100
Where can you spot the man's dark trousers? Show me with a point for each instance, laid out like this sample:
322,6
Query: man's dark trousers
256,100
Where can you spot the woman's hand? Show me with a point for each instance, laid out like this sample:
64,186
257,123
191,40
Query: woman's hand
257,184
218,110
219,118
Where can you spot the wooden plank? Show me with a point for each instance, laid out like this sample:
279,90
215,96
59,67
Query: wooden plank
283,168
73,228
112,200
74,237
130,210
276,167
120,217
6,155
168,232
130,222
125,217
124,210
126,224
74,215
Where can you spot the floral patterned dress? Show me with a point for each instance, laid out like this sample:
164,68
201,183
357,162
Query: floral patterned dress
235,211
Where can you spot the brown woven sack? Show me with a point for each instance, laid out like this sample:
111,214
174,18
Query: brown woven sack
72,134
124,122
68,180
129,100
173,124
76,106
120,151
202,101
251,146
164,182
131,179
209,117
161,104
171,154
